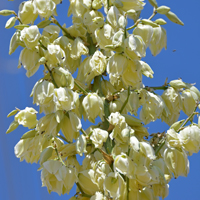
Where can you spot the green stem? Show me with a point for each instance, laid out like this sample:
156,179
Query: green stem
50,72
126,100
63,138
92,46
83,193
84,133
63,29
17,18
127,187
59,157
136,23
83,90
159,148
189,118
156,88
42,45
154,13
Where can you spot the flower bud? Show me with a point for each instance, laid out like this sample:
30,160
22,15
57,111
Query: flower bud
45,8
12,127
13,43
10,23
27,12
64,99
190,137
30,60
46,154
27,117
13,112
98,137
146,69
177,84
158,41
149,22
163,10
160,21
29,134
6,12
43,23
93,106
176,161
173,17
177,125
30,36
153,3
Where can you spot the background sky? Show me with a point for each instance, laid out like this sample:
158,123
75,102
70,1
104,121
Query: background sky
21,181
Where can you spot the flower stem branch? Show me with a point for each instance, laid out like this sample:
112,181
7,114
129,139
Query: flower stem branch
59,157
189,118
53,19
17,18
83,90
154,13
126,100
63,138
84,133
50,72
159,147
136,23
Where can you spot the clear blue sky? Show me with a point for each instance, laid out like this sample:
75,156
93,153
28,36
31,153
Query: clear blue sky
21,181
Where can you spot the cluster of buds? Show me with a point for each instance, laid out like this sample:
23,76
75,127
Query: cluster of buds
119,161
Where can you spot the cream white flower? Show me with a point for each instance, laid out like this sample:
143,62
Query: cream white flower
45,8
27,12
30,36
81,145
52,32
98,137
93,106
30,60
27,117
64,99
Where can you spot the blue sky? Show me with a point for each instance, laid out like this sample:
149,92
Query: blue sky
20,180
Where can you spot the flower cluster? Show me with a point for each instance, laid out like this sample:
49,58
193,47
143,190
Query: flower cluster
120,162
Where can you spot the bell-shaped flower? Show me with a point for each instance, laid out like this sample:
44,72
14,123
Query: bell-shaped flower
70,126
124,165
145,31
64,98
29,149
93,19
173,138
115,185
45,8
107,88
93,106
27,12
63,77
173,103
78,49
152,108
116,66
98,196
161,190
113,16
132,75
55,55
67,150
136,5
98,137
158,41
48,125
52,32
134,47
104,35
77,8
92,66
43,92
57,177
27,117
86,180
30,60
146,69
177,161
189,101
30,36
190,138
